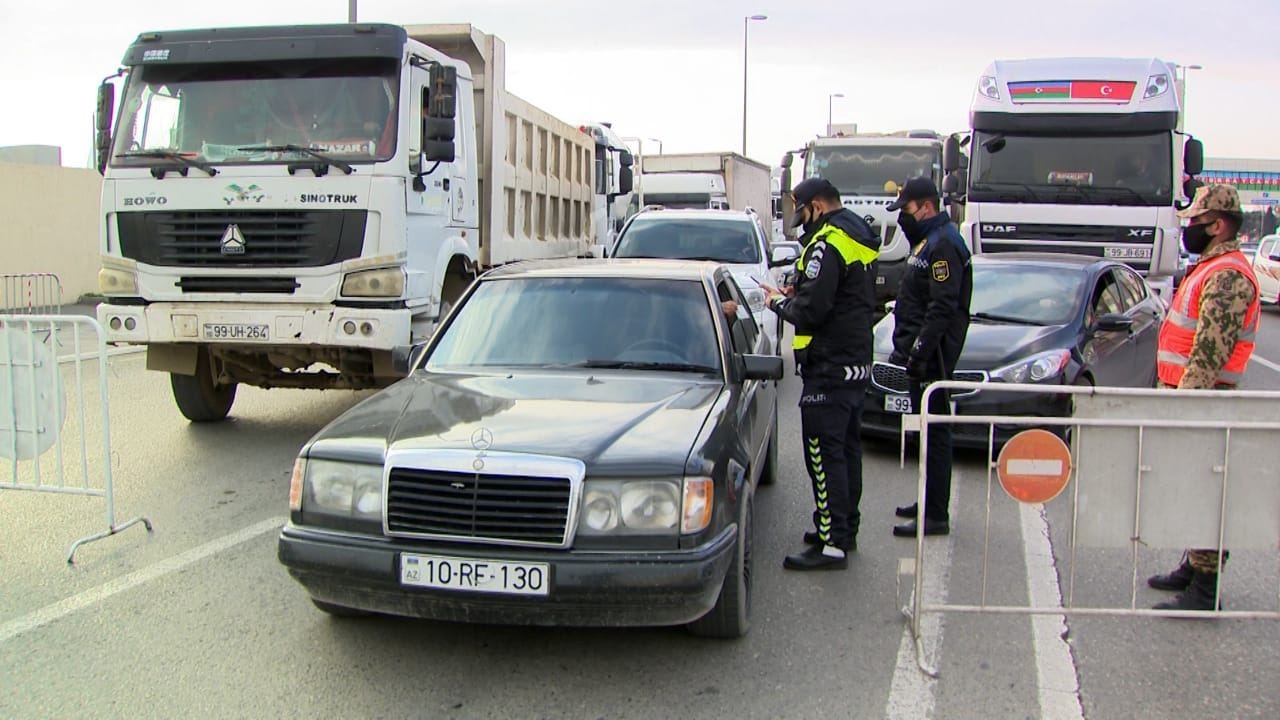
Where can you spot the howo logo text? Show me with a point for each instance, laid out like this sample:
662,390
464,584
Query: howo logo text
141,201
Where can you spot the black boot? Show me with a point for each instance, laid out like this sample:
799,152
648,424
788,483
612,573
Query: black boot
817,557
812,538
1198,595
907,511
1177,581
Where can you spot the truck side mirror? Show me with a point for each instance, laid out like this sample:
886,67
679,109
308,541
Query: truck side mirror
1193,157
786,161
951,184
106,107
626,180
440,124
951,154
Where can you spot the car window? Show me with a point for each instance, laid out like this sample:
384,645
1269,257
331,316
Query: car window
556,321
1133,287
1107,297
743,334
727,240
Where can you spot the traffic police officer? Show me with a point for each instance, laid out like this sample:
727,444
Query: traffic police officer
1205,343
830,306
931,320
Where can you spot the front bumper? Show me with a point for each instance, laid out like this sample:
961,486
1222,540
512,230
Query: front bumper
877,422
298,325
588,588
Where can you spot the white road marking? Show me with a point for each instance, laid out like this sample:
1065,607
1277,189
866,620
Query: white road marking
1264,362
1056,677
912,694
92,596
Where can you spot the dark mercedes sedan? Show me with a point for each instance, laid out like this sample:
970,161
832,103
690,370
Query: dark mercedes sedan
1036,318
579,444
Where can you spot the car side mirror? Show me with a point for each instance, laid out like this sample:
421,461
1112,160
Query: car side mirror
761,367
405,358
1113,322
782,256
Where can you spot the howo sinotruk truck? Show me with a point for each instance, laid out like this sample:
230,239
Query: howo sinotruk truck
297,206
1078,155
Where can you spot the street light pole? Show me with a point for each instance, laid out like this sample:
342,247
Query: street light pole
351,11
1180,83
746,24
830,98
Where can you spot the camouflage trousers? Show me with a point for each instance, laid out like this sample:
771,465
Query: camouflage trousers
1202,561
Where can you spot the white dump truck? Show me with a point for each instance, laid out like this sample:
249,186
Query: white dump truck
716,181
297,206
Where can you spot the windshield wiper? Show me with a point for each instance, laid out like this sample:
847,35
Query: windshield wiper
1006,319
1031,193
319,169
642,365
159,172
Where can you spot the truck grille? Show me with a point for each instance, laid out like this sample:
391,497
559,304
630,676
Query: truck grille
893,379
472,506
236,284
271,238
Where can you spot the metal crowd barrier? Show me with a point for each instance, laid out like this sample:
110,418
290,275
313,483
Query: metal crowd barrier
31,294
1139,464
55,420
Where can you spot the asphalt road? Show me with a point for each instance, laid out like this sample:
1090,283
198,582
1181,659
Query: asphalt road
198,619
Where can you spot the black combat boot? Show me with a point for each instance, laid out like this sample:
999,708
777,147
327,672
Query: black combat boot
1198,595
1177,581
812,538
817,557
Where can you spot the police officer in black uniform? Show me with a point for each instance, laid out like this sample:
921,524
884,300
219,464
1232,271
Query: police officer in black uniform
831,306
931,319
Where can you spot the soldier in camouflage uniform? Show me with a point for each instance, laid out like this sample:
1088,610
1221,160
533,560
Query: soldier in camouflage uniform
1205,343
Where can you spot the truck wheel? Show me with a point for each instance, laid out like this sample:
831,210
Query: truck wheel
338,611
199,397
769,475
731,616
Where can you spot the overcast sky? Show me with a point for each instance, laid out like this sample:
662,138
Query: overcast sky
672,69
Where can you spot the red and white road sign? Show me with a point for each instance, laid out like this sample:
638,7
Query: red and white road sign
1034,466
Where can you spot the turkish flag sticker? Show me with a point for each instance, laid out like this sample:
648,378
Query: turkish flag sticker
1102,90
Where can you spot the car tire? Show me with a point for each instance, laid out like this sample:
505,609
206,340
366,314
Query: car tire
339,611
199,397
731,616
769,473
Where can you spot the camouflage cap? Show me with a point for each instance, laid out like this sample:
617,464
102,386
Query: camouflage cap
1213,198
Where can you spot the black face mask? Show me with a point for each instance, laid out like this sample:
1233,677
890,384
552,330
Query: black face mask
910,227
1195,238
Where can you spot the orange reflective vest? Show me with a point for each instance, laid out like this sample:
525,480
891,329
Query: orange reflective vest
1179,329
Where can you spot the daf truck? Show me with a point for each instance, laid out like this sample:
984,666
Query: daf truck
868,169
297,206
1078,155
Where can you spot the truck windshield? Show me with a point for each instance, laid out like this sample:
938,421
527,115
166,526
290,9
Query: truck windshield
582,322
344,109
1072,169
865,170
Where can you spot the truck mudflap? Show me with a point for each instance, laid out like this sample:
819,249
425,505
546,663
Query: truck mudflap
246,326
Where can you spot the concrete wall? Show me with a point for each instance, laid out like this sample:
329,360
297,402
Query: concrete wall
49,223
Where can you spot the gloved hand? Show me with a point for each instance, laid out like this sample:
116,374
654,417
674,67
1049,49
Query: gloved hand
898,358
916,367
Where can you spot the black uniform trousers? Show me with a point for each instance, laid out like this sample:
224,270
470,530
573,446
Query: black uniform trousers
938,442
831,421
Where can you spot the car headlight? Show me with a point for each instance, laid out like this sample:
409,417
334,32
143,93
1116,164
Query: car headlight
644,507
388,282
117,282
341,489
1036,368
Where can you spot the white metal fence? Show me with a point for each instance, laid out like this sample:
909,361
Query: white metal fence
39,293
55,421
1148,470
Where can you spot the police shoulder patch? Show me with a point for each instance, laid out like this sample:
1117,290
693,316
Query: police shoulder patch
813,268
941,270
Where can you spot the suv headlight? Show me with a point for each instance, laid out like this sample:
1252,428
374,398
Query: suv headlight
388,282
645,507
342,489
1036,368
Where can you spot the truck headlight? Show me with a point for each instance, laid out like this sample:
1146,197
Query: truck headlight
1038,367
630,507
117,282
388,282
1157,85
342,489
989,87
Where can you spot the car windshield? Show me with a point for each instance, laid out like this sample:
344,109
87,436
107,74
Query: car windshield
582,322
1033,294
1072,169
866,170
726,240
345,109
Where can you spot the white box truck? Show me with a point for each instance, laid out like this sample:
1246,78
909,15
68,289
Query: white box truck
1079,155
718,181
297,206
